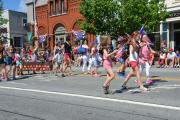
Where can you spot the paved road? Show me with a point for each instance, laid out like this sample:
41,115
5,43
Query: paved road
80,97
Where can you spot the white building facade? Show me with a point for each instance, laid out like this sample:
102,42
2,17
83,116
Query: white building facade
170,29
16,28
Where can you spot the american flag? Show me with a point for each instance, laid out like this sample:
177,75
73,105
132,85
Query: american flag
42,38
79,35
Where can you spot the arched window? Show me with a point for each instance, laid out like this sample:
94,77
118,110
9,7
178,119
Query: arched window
60,33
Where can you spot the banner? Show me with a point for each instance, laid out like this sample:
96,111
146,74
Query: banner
29,35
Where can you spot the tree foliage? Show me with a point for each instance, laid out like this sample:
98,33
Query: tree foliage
121,16
2,20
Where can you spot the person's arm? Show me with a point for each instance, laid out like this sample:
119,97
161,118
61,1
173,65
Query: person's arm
110,54
152,51
131,49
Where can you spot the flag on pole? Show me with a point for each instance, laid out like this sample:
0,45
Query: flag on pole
142,31
79,35
42,38
36,34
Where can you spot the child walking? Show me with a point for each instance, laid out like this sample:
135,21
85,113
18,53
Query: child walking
145,61
133,61
94,61
107,63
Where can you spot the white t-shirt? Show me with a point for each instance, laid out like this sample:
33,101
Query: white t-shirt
162,56
133,55
171,55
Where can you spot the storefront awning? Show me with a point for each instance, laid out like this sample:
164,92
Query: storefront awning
174,19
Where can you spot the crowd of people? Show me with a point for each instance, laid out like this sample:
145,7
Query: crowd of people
168,58
131,51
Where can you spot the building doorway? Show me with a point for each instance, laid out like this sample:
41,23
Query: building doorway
60,34
177,40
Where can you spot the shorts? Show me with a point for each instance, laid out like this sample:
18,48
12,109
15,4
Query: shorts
67,56
18,63
162,62
133,64
121,60
95,63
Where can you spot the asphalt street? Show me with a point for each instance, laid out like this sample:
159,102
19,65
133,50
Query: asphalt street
80,97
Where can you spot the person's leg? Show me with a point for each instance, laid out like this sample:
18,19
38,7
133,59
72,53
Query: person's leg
138,75
84,62
178,62
90,64
130,74
166,62
173,61
141,68
149,80
5,72
110,77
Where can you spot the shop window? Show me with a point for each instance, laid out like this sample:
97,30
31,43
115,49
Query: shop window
177,26
164,36
165,27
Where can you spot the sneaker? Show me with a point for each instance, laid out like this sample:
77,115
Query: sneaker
121,74
177,66
14,78
106,89
63,75
144,88
124,87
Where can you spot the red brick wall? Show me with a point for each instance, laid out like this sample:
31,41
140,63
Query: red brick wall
47,22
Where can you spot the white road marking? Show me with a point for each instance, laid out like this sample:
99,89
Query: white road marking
17,83
167,87
95,98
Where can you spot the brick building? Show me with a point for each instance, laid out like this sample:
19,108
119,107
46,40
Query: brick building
57,18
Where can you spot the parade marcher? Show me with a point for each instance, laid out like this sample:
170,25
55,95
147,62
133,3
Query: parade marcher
84,54
67,55
18,61
2,64
58,58
94,61
133,61
145,58
107,63
8,60
122,56
177,60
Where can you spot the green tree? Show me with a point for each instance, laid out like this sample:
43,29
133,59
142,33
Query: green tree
100,16
136,13
2,20
121,16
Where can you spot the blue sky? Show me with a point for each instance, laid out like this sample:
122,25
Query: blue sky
18,5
